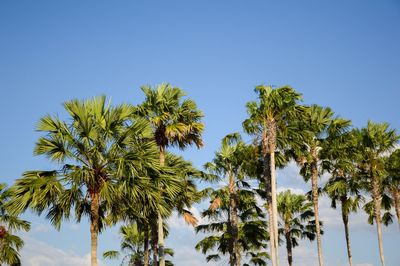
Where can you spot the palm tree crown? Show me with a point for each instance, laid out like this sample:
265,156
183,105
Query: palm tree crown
297,218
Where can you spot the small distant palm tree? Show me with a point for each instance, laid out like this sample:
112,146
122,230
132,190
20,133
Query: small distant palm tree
375,141
228,166
175,122
252,228
132,246
297,218
98,150
10,244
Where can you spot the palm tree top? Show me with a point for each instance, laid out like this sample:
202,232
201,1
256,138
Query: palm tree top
291,204
175,121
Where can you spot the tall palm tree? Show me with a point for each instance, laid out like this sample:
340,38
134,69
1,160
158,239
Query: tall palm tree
10,244
270,117
228,163
297,218
97,148
321,130
175,122
343,186
252,228
375,141
393,180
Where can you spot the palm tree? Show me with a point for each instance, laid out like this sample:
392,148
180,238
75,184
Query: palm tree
297,218
178,194
10,244
252,228
321,130
132,246
375,141
97,149
269,118
393,180
175,122
344,186
228,163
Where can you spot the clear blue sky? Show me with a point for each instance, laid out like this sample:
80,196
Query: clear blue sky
344,54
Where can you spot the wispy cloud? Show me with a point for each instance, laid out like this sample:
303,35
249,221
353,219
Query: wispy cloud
38,253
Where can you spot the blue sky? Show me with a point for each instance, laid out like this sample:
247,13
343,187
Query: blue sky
342,54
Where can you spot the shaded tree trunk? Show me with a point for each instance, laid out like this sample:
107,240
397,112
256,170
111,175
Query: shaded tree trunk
289,245
271,142
94,226
314,189
396,198
267,182
271,234
154,241
376,197
146,246
274,206
161,256
345,218
235,254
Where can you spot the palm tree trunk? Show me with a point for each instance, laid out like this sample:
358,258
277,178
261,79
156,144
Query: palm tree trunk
271,232
267,180
161,256
271,142
154,241
274,205
345,218
377,213
396,198
94,226
288,244
146,246
235,255
314,188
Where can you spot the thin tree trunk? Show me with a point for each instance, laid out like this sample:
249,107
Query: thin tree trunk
345,218
161,256
288,244
267,180
271,142
160,219
235,255
154,240
377,212
314,188
396,198
146,246
274,205
94,226
271,232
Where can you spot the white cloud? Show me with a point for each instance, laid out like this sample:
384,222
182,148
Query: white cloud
293,190
189,256
38,253
42,228
176,221
303,255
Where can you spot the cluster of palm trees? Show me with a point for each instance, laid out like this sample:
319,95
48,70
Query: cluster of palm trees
362,166
114,165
